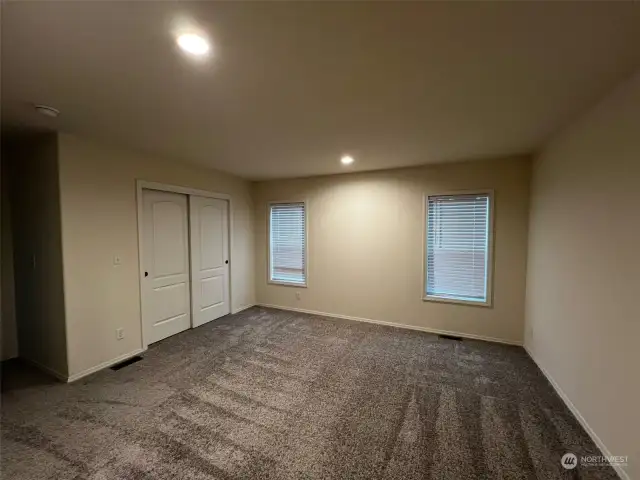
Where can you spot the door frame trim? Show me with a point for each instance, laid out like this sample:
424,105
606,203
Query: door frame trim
164,187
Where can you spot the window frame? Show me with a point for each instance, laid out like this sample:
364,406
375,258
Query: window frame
270,281
490,245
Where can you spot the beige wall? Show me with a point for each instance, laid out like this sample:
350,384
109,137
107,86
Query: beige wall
37,248
99,221
9,344
366,247
583,320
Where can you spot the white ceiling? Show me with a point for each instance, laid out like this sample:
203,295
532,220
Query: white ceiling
293,85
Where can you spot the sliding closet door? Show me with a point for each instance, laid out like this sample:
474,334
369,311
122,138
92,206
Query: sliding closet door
166,308
209,219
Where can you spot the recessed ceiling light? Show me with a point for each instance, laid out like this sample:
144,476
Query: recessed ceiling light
346,160
47,110
194,44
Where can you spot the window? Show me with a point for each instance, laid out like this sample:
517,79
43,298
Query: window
287,244
458,263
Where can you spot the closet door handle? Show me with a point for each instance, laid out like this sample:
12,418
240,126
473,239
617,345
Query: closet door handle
146,274
226,261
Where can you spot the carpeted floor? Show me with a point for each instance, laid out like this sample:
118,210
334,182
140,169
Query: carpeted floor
268,394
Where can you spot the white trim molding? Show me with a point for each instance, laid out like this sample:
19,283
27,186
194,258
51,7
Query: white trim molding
576,413
399,325
163,187
48,370
241,309
108,363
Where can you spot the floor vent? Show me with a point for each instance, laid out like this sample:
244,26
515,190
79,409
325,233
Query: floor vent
126,363
451,337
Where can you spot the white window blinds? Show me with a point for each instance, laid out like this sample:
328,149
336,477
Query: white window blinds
458,241
287,252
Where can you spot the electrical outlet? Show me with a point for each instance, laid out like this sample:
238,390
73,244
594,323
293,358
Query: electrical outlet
119,333
298,295
117,260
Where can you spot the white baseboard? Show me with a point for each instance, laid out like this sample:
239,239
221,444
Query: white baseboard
576,413
399,325
238,310
45,369
108,363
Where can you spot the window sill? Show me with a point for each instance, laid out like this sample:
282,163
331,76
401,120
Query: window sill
429,298
287,284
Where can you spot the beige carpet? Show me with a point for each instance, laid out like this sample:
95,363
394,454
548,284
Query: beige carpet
268,394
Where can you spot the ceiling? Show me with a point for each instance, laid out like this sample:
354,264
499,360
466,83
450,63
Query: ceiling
293,85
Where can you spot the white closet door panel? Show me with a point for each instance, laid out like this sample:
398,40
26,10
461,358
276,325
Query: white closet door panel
209,258
166,308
